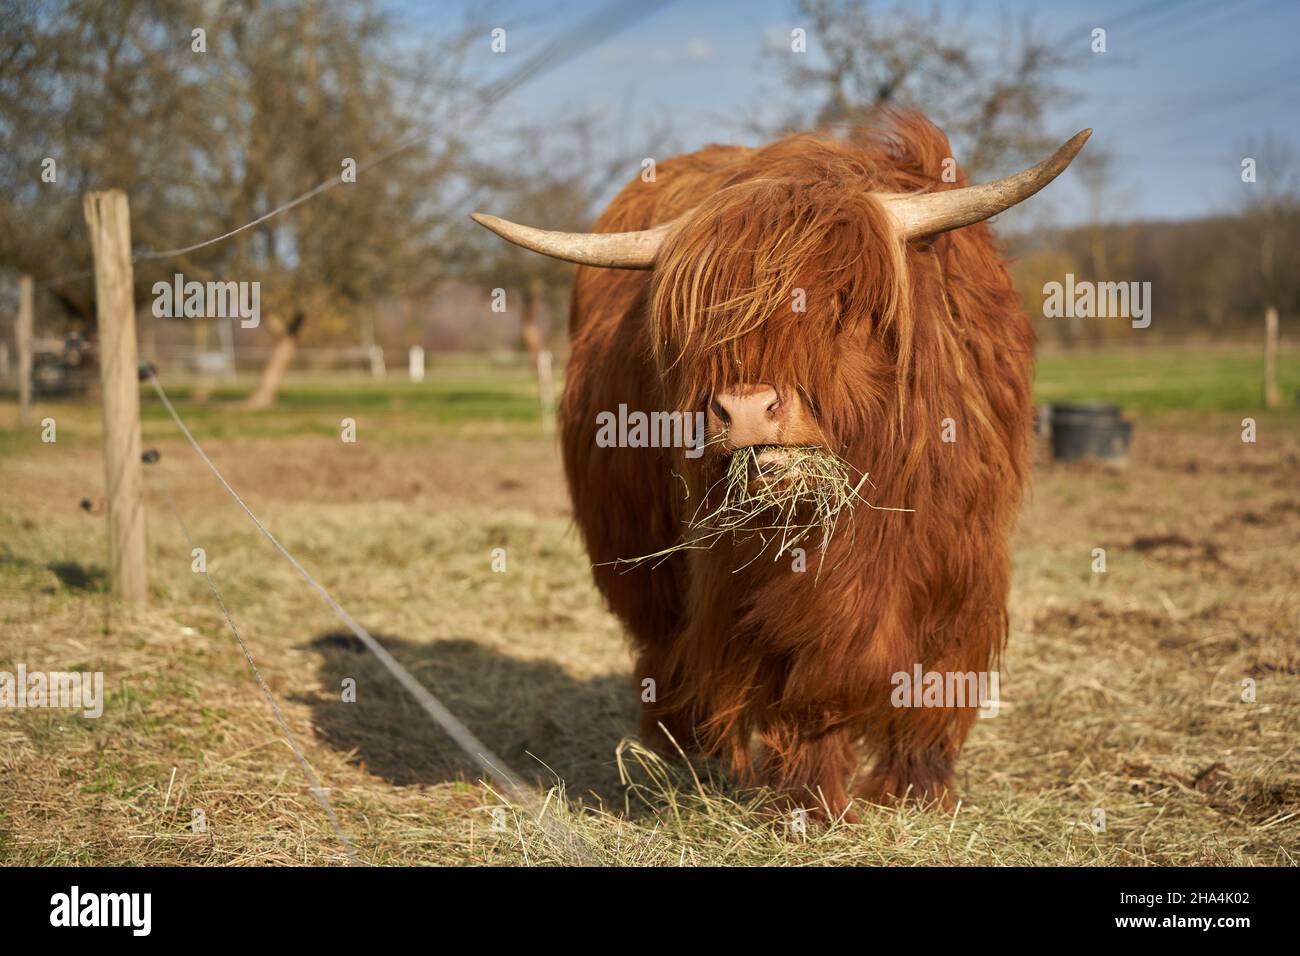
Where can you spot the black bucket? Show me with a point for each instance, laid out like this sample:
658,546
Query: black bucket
1089,431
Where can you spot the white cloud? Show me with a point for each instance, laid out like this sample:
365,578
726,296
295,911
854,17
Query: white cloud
698,49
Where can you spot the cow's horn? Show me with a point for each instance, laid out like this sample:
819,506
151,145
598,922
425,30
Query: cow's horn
612,250
917,215
926,214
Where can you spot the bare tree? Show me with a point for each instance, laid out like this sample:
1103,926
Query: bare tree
208,133
320,89
991,98
94,96
1266,237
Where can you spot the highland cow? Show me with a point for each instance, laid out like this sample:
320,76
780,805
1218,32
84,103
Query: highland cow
820,293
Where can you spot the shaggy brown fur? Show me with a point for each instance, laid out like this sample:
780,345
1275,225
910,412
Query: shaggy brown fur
896,338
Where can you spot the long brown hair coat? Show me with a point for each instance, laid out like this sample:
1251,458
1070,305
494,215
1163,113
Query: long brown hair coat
895,339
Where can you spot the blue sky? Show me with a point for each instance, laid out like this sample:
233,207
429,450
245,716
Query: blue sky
1183,87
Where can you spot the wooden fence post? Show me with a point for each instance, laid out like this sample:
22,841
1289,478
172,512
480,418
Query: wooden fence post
109,220
1271,397
23,342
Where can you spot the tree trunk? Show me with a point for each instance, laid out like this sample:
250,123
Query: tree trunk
272,377
23,342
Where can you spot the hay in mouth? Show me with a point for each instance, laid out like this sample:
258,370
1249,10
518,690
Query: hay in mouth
782,495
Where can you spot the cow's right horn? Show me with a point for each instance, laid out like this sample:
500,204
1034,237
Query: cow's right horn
611,250
919,215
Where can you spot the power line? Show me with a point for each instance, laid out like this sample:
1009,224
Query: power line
1159,8
1196,105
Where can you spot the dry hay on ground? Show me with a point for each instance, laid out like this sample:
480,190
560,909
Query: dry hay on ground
1121,691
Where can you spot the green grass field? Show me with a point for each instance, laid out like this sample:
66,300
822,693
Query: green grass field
1192,380
465,392
1122,692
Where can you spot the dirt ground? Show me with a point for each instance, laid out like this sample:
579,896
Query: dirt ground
1122,692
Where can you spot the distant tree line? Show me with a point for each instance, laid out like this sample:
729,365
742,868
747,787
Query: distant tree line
1209,277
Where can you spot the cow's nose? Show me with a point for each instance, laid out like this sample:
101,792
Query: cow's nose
750,415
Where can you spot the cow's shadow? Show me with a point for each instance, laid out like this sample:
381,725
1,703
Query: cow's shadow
543,722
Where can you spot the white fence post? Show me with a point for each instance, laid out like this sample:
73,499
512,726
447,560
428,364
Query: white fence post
546,389
1272,399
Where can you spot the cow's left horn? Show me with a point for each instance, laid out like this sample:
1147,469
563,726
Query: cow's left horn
612,250
926,214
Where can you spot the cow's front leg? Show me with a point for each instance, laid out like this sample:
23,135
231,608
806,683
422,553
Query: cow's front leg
917,758
809,770
669,722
